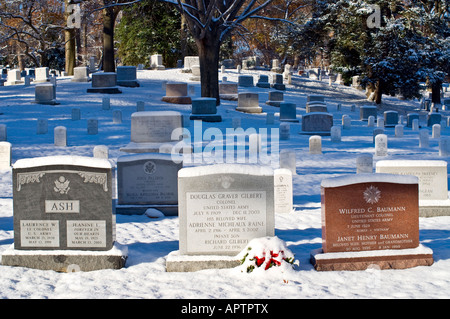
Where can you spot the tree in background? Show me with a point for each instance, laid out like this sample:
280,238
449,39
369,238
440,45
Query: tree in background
394,45
147,28
32,31
273,35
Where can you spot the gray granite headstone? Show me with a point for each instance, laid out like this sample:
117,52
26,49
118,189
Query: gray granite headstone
147,181
205,109
222,207
150,130
317,123
367,110
81,74
126,76
63,203
104,82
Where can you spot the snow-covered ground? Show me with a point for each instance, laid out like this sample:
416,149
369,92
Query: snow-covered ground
149,241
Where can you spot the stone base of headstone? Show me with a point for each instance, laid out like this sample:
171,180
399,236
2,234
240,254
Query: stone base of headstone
253,109
177,99
13,83
278,86
229,97
166,147
105,90
66,261
274,103
433,208
129,83
264,85
206,117
362,260
167,210
183,263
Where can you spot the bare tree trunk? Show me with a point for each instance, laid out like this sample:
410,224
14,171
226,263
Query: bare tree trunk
69,38
69,35
436,92
378,91
109,18
208,51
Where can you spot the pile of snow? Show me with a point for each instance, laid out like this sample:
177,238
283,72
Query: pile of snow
262,254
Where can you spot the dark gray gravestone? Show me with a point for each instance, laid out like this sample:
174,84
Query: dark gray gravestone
317,123
63,203
63,215
147,181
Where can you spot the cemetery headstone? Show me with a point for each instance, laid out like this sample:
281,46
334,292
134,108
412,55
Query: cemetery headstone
436,131
13,78
106,103
315,144
101,151
140,106
381,145
370,219
424,138
270,118
117,117
176,92
248,103
288,160
285,131
434,118
410,117
42,75
92,126
152,130
3,132
263,81
278,82
288,112
316,106
364,164
196,74
5,155
336,133
104,82
367,110
45,94
127,76
42,126
283,195
205,109
245,80
399,130
317,123
276,66
275,98
156,62
147,181
444,146
189,61
60,136
221,208
81,74
76,114
62,204
228,91
390,118
433,185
